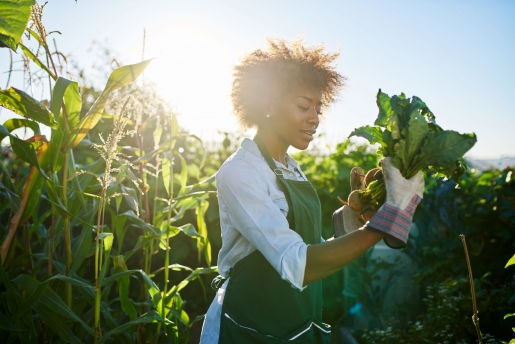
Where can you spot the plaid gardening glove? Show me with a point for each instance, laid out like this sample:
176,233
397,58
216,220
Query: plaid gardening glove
394,217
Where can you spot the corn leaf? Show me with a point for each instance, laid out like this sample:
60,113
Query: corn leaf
147,318
191,277
80,249
510,262
17,123
107,239
119,77
143,241
24,105
36,60
29,197
14,16
50,299
203,245
56,323
183,177
123,288
153,289
6,324
165,172
64,95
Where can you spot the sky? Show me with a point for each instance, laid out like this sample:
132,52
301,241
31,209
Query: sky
458,56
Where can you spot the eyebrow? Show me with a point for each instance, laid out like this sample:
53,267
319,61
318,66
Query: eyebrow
309,99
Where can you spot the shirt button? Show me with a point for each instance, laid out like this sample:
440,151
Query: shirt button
291,174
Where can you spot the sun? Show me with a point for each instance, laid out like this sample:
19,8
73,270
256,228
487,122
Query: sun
194,71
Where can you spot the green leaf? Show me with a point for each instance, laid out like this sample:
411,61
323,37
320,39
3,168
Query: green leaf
68,91
181,315
65,92
17,123
165,172
56,323
140,223
14,198
400,106
24,150
143,241
394,127
183,177
414,134
107,240
189,230
36,60
443,147
191,277
118,226
24,105
372,134
510,262
14,16
119,77
155,293
28,283
509,315
147,318
203,245
385,109
6,179
51,300
6,324
123,288
80,249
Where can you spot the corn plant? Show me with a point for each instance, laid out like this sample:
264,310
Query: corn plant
66,273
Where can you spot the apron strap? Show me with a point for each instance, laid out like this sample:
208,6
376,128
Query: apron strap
267,156
279,173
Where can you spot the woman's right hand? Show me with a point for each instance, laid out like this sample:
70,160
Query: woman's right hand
403,195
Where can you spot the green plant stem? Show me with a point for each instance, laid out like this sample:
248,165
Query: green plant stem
167,251
66,230
51,253
475,318
98,290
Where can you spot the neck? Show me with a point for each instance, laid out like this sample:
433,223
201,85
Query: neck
275,146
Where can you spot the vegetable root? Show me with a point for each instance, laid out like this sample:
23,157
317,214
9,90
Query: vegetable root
371,175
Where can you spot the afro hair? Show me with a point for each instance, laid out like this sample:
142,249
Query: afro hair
263,76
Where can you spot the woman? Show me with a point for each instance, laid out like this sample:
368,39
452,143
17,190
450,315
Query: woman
273,257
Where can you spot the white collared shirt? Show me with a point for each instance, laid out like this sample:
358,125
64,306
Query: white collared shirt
253,212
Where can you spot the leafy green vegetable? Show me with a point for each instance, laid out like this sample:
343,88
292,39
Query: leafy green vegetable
406,130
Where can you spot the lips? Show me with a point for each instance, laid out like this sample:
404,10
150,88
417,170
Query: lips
308,133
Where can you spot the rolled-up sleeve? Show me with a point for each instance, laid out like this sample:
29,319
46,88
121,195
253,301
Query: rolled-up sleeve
253,213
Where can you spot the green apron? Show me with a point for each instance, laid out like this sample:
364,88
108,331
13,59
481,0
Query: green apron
259,306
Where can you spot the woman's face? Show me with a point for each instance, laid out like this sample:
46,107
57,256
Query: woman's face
295,118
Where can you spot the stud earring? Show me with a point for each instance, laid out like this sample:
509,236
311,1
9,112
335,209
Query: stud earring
268,116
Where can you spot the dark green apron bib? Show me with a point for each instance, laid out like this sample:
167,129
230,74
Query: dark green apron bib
259,306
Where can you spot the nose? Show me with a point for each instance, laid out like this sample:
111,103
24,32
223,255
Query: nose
313,118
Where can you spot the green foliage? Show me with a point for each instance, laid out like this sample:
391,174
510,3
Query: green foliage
407,132
14,15
24,105
481,206
76,266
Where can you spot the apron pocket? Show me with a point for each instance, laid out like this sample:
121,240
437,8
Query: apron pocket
234,332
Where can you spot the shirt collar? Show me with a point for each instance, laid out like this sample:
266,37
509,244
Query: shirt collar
251,146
